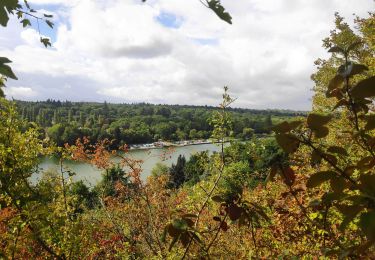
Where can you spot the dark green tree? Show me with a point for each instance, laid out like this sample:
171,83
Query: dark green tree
196,167
106,187
177,174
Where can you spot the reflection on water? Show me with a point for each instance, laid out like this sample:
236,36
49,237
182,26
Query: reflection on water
92,175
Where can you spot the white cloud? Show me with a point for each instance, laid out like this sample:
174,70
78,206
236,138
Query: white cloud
31,37
20,92
116,50
54,2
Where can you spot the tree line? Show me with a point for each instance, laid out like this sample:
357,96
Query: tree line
64,122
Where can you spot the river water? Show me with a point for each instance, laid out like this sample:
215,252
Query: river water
91,175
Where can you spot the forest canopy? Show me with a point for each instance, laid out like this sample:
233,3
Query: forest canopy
65,122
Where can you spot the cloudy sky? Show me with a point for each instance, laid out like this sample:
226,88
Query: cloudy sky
174,51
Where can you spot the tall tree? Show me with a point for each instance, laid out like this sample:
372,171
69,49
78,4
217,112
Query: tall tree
177,173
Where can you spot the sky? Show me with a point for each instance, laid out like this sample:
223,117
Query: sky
174,51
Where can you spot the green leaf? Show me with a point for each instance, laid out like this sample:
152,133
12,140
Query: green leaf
368,183
337,92
321,132
287,142
330,158
27,4
49,23
351,69
180,224
4,60
3,17
25,22
364,89
342,102
358,69
350,212
315,157
320,177
336,82
328,198
337,150
219,10
46,42
218,198
285,126
336,49
7,6
370,119
19,14
349,170
364,163
6,71
315,121
294,124
367,224
357,199
338,184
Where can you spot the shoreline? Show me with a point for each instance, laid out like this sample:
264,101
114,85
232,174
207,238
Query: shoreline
165,144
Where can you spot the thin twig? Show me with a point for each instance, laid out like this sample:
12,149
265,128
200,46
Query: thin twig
204,4
253,236
63,187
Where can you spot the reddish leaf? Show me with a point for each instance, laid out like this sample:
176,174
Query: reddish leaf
217,218
224,226
234,212
289,175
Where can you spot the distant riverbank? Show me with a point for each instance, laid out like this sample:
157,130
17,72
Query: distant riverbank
164,144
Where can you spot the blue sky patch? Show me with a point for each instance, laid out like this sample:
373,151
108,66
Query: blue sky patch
169,20
43,27
206,41
45,30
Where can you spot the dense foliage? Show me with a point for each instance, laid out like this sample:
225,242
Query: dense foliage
64,122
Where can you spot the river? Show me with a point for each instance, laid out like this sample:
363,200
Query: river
91,175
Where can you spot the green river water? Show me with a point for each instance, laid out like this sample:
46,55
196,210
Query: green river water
151,157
